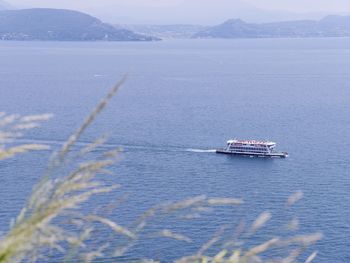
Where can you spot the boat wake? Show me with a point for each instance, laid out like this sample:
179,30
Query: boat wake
59,143
200,151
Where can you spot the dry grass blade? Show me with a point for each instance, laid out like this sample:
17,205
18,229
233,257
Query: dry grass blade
114,226
25,126
193,259
91,256
92,146
225,201
294,198
8,136
36,118
75,136
311,257
262,248
8,119
260,221
196,205
186,203
10,129
170,234
10,152
220,256
235,257
122,250
305,240
55,197
292,257
212,241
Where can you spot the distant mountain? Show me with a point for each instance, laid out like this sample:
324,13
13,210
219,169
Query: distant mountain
330,26
167,31
60,25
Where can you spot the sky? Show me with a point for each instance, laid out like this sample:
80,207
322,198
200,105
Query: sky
195,11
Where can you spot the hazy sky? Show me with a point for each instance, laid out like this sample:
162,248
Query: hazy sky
194,11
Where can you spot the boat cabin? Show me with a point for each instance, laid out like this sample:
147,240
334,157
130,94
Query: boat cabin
243,146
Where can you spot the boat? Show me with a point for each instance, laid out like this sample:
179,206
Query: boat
252,148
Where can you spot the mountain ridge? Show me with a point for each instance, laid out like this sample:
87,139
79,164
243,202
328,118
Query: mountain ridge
329,26
60,25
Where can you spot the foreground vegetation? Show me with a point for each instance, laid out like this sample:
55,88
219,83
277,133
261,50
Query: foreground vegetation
53,222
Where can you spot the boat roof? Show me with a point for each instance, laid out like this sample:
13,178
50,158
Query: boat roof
269,143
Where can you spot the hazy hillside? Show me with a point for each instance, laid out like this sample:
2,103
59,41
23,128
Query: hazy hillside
167,31
331,26
60,25
4,5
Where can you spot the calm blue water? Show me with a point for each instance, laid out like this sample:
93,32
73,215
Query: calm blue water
195,95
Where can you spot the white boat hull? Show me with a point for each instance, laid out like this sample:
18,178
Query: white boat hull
267,155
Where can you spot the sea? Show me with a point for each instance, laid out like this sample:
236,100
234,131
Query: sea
182,100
